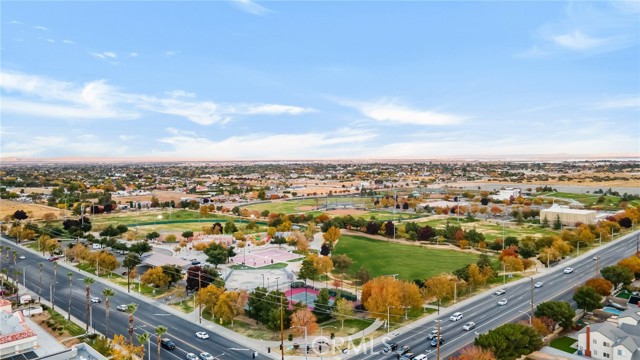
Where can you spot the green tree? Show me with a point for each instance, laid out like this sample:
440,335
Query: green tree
307,270
131,261
322,309
545,222
187,234
342,263
343,310
557,223
617,275
262,194
558,311
131,309
510,341
587,298
174,272
217,254
230,227
152,235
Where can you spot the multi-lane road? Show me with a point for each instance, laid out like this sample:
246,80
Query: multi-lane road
487,314
147,317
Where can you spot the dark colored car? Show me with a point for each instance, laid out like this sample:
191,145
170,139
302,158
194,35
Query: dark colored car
405,349
434,342
167,344
390,347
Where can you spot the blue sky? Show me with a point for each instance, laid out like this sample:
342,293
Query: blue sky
246,80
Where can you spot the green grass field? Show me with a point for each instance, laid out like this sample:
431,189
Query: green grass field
491,230
409,262
564,343
588,199
146,217
285,207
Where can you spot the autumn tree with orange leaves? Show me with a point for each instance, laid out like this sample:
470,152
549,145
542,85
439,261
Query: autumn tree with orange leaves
601,285
303,318
385,292
475,353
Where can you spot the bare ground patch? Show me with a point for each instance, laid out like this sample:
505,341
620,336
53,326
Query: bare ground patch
347,212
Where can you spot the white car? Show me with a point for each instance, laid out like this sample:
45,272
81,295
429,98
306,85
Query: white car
596,258
538,284
22,257
202,335
192,356
469,326
456,316
500,292
95,299
568,270
502,302
122,307
206,356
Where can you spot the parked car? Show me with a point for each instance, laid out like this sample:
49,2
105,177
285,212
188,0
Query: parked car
469,326
122,307
202,335
568,270
195,262
538,284
456,316
167,344
502,302
206,356
192,356
95,299
500,292
434,342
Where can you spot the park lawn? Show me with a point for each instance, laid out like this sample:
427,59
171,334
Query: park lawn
493,231
285,207
564,343
408,261
191,225
144,217
588,199
351,327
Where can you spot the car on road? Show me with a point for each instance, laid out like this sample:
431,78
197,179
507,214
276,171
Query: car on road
432,334
469,326
596,257
167,344
434,342
202,335
500,292
195,262
95,299
502,302
206,356
456,316
22,257
122,307
403,350
53,258
408,356
388,348
192,356
538,284
568,270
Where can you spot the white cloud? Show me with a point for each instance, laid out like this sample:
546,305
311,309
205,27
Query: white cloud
16,22
269,146
127,137
273,109
180,93
576,40
170,53
133,54
79,145
622,102
71,42
41,28
385,111
105,55
251,7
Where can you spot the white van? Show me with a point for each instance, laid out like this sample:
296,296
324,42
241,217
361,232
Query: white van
420,357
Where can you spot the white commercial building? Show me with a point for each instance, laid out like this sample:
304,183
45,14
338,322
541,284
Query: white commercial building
567,215
506,194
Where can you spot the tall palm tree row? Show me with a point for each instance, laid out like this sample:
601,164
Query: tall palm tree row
107,292
87,282
160,330
142,339
131,309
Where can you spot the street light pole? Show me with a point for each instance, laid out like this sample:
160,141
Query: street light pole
305,340
262,280
321,336
388,307
520,311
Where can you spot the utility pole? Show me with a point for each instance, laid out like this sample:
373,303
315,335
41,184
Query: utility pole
438,356
282,329
597,259
200,304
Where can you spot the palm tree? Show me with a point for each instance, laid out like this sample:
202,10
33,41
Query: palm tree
160,330
70,276
107,294
87,283
131,309
55,281
41,267
142,339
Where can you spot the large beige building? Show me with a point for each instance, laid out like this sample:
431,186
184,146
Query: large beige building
567,215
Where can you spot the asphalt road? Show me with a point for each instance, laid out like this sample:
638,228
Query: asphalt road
147,317
486,313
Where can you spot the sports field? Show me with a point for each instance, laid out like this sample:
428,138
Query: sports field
491,229
409,262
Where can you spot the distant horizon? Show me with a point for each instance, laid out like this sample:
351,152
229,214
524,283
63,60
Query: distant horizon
264,80
523,158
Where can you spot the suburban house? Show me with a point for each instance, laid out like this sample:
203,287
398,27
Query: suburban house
618,340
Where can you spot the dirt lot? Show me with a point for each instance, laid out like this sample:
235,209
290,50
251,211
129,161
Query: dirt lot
60,333
35,211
